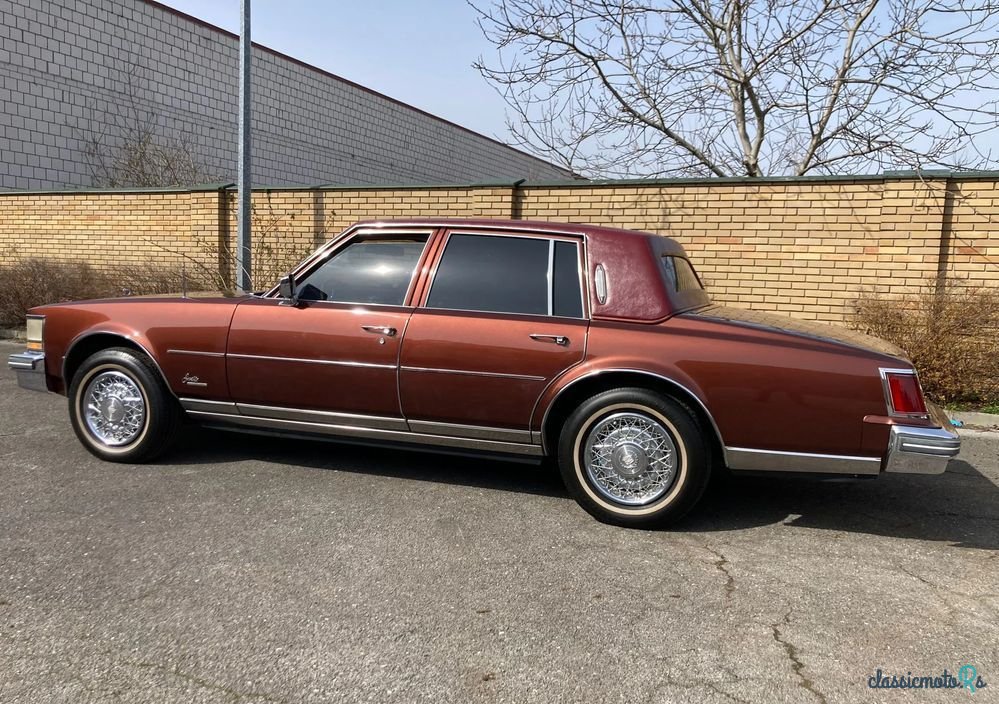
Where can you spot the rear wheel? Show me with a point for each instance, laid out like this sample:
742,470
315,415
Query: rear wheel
634,458
120,408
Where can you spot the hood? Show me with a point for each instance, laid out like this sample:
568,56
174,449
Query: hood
805,328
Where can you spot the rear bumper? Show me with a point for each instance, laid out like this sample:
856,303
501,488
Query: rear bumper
915,450
30,369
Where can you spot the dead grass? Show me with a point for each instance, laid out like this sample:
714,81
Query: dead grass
33,282
952,338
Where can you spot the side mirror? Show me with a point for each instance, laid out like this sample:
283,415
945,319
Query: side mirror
286,288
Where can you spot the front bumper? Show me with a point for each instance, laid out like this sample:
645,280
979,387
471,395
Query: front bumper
915,450
30,369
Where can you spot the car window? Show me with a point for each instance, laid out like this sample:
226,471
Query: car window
680,274
498,274
567,295
376,271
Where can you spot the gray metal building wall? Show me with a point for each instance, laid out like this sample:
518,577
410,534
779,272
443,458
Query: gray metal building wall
72,68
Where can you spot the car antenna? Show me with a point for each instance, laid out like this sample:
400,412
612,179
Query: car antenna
183,279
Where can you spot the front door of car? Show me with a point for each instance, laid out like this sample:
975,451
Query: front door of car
336,352
503,315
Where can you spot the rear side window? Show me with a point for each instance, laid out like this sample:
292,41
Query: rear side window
680,274
375,271
520,275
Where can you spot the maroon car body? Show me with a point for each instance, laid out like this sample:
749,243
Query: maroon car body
624,310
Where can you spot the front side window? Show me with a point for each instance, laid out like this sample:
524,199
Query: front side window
375,271
519,275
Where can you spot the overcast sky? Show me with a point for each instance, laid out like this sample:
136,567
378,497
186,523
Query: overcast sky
418,52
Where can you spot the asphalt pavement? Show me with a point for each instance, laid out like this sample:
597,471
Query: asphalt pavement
250,569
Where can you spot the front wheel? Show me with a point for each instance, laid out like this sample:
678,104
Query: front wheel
634,458
120,408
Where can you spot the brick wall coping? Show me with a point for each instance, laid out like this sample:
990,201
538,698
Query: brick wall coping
928,175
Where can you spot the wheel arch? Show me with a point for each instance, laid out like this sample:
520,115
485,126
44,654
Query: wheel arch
91,342
594,382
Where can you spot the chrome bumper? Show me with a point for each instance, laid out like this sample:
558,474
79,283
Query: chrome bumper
30,369
915,450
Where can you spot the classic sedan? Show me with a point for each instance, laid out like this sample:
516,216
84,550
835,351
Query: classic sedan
596,347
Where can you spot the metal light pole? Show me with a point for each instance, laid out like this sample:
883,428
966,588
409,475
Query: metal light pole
244,256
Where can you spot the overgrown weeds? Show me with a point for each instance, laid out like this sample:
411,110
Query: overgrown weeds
951,336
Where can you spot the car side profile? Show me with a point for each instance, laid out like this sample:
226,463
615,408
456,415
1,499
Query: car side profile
596,347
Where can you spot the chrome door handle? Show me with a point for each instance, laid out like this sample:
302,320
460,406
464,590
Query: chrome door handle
379,330
557,339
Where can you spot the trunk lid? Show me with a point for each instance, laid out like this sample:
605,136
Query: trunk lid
793,326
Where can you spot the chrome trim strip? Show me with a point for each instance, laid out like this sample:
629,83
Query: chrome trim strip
780,461
471,431
700,403
551,277
325,417
332,362
199,404
197,353
368,433
501,375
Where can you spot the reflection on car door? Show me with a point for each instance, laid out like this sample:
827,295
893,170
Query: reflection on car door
503,316
337,351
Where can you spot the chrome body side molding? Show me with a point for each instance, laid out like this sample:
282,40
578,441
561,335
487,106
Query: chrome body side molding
377,428
303,360
197,353
745,458
469,372
471,431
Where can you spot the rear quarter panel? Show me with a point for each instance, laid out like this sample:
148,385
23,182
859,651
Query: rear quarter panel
765,390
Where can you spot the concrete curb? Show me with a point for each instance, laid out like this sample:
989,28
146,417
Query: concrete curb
988,422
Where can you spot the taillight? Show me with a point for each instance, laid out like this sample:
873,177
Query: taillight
904,396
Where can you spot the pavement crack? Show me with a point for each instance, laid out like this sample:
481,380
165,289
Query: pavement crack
721,564
194,679
796,664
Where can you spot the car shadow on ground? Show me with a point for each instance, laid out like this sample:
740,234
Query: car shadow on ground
959,507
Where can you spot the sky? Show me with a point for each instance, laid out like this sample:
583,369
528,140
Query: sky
415,51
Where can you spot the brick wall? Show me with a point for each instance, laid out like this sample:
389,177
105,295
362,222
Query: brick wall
806,247
70,69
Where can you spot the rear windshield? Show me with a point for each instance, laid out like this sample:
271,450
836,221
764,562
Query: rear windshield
680,274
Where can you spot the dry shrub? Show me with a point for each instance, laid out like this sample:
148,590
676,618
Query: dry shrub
33,282
951,337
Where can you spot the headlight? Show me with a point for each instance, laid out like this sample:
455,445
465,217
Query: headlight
36,332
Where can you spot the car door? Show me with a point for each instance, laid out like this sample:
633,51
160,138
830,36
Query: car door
503,315
333,358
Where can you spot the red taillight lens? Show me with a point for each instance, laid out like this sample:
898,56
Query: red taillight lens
905,395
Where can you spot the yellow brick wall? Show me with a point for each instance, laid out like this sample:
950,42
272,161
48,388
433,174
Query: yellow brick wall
803,247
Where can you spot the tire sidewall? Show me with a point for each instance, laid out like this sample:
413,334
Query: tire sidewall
692,468
125,363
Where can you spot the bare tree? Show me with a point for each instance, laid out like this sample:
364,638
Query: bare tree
747,87
129,143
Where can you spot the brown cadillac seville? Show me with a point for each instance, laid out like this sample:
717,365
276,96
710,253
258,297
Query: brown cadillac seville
596,347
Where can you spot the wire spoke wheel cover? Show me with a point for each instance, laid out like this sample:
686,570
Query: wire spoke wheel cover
630,458
113,408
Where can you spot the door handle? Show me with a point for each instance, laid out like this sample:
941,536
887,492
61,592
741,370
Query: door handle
557,339
379,330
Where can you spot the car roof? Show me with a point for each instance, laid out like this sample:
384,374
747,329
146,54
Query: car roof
566,228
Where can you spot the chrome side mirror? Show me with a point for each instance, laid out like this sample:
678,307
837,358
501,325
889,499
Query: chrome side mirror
286,289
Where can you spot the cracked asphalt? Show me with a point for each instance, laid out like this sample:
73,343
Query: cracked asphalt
247,569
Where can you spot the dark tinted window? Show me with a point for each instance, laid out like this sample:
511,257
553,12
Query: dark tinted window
567,298
494,274
680,274
366,271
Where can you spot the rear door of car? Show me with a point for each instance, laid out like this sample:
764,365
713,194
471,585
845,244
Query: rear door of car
500,316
